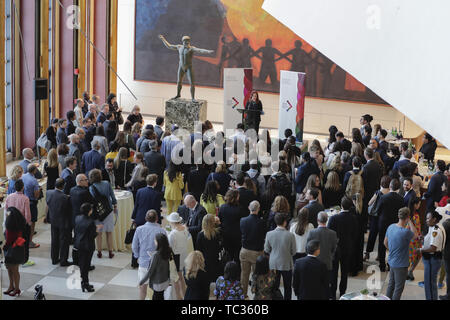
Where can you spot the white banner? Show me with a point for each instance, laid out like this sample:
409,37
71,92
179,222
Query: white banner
292,103
237,86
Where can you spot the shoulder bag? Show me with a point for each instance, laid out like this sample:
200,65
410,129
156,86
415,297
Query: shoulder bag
101,205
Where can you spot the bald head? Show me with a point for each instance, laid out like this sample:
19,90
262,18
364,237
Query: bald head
28,153
190,201
82,180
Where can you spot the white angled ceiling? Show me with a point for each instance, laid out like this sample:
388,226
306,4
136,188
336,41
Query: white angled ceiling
400,49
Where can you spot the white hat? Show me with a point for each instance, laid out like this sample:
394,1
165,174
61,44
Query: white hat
174,217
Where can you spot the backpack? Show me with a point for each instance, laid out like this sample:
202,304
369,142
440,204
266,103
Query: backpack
355,185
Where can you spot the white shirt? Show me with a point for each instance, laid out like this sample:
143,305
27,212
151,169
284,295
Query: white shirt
301,240
435,237
178,241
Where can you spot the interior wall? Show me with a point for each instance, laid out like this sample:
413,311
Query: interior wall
319,113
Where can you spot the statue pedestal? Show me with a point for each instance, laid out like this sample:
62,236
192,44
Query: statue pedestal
184,113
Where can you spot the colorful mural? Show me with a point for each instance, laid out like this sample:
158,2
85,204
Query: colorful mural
242,35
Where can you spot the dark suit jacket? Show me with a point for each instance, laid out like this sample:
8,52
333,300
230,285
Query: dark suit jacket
371,177
92,160
230,219
434,192
156,163
311,280
59,209
105,176
399,164
346,145
314,208
78,196
328,244
407,197
345,226
70,180
388,207
70,129
245,197
303,173
146,199
193,223
85,233
61,137
196,180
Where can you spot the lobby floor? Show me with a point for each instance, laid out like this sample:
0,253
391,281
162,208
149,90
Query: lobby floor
114,279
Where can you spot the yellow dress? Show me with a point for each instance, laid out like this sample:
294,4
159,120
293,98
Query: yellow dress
173,189
211,206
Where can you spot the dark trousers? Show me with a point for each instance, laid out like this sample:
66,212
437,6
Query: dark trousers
447,271
382,228
84,262
233,254
372,234
356,263
287,283
60,244
26,236
158,295
343,261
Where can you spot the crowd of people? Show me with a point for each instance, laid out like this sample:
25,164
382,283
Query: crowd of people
251,222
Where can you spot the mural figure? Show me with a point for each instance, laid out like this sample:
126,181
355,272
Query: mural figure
268,68
299,57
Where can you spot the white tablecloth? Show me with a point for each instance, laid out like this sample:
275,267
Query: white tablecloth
125,205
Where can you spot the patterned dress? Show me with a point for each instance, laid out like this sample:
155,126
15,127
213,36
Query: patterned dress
228,290
415,244
262,286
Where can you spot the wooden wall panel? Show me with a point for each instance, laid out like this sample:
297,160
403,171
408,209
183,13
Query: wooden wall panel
100,40
2,92
66,61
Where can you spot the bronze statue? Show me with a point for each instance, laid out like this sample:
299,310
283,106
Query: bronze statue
185,52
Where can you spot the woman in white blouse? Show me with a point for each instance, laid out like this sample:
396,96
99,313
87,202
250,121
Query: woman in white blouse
178,240
301,230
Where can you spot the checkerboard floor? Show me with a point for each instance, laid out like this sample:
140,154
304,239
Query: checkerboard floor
114,279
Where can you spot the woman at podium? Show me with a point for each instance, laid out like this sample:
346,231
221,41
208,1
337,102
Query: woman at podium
253,115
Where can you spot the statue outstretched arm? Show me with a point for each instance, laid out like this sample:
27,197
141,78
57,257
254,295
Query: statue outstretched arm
167,44
202,51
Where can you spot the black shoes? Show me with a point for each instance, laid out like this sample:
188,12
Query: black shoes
91,268
87,287
56,262
410,276
66,264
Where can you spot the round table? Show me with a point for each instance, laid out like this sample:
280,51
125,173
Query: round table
125,205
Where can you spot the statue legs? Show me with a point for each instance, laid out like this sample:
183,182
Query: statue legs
179,82
190,76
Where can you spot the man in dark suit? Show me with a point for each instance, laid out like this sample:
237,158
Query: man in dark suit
328,243
308,168
68,174
89,129
345,145
93,159
245,196
60,216
387,208
196,180
61,136
80,194
108,173
192,213
345,226
70,129
409,191
405,159
156,163
146,199
314,207
311,275
434,192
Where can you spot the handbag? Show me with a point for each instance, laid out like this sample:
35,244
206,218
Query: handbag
130,234
43,142
372,210
101,206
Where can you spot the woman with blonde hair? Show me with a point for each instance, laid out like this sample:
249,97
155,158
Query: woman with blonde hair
357,151
314,182
136,130
333,191
52,169
208,243
335,165
16,174
280,204
250,185
196,277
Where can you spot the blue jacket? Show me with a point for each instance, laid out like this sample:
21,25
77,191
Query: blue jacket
146,199
434,192
399,164
92,160
303,173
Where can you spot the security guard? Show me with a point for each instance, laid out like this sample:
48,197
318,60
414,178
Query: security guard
432,254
